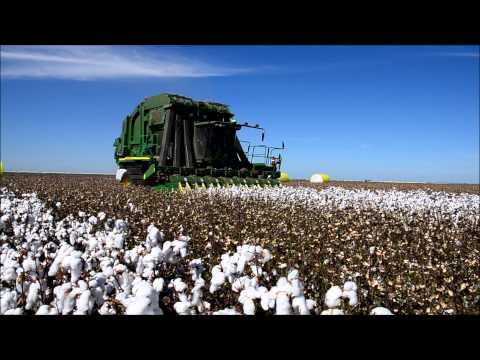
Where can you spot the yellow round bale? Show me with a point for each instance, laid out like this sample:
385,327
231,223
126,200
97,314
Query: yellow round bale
283,177
319,178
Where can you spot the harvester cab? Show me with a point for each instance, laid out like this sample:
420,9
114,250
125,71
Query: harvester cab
171,141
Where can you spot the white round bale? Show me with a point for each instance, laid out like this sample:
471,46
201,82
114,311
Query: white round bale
319,178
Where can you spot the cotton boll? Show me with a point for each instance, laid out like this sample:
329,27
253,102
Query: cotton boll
197,294
84,302
109,289
311,304
69,302
256,270
349,286
239,284
101,215
178,246
43,310
119,269
283,285
350,292
64,251
82,285
332,312
53,311
248,293
81,230
97,296
182,308
73,237
142,289
380,311
33,295
158,284
29,265
272,297
120,226
250,253
8,300
144,303
184,238
157,254
265,301
179,285
352,297
249,307
108,271
75,265
140,266
283,304
218,279
300,305
123,298
17,311
166,246
297,288
226,311
196,269
9,274
292,275
107,309
21,286
241,264
216,269
332,297
154,236
119,240
126,280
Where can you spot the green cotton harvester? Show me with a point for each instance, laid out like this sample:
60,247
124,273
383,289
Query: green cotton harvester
173,142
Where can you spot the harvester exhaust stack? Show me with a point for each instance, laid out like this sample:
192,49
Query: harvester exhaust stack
173,142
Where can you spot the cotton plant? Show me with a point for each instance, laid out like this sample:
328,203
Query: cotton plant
191,300
244,272
86,259
380,311
440,204
84,279
335,295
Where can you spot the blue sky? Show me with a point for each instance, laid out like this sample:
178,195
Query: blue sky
407,113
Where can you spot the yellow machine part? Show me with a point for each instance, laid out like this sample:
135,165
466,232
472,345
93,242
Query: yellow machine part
132,158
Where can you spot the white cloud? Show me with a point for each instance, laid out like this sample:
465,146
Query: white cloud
103,62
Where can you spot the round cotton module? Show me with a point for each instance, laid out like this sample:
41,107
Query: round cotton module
283,177
319,178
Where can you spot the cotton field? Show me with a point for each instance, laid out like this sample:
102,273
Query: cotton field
86,245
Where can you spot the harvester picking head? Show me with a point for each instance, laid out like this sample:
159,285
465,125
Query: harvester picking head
171,142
